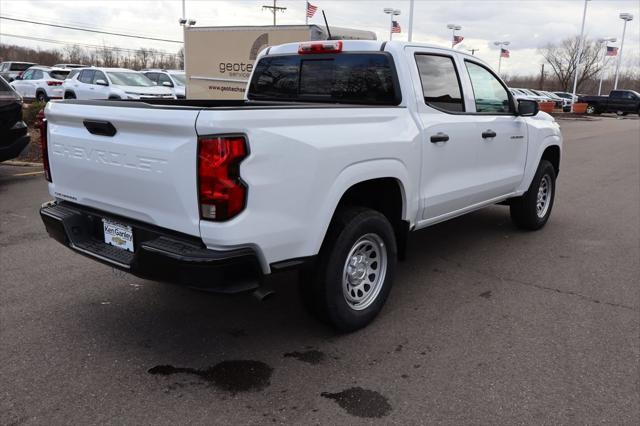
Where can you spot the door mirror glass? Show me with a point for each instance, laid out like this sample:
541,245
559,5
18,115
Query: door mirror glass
101,82
528,108
167,84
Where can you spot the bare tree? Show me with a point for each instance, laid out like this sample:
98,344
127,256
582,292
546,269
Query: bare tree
563,59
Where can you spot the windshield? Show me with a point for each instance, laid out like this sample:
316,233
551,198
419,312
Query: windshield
179,78
129,78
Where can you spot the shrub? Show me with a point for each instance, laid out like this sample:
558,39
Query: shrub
30,113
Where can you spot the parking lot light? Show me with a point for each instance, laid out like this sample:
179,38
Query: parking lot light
626,17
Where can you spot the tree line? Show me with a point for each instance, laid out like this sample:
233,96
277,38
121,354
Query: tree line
104,56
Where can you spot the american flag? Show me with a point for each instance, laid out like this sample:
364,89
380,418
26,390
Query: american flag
612,51
395,27
504,53
457,39
311,10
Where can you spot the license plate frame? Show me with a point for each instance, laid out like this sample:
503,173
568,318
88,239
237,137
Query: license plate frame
118,234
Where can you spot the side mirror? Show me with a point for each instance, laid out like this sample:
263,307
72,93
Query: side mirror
167,84
101,82
528,108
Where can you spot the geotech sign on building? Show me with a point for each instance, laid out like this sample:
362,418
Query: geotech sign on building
219,60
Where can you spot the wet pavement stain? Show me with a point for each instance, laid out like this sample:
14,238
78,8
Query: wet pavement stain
232,376
361,402
486,294
312,356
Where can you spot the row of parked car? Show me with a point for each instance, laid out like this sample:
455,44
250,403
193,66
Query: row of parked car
561,99
77,81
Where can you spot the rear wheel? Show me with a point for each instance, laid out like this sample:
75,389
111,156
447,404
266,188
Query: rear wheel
621,113
532,210
591,109
42,97
355,269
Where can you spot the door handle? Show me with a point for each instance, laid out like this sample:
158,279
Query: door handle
489,134
439,137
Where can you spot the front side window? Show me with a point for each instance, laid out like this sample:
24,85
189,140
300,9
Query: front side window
179,79
98,75
27,75
489,93
129,78
440,85
162,78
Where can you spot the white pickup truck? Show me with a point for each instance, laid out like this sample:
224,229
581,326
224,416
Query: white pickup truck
339,150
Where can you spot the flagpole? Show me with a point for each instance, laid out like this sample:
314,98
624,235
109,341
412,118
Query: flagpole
410,21
391,27
579,58
499,60
306,14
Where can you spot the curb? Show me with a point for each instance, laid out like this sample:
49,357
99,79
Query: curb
21,163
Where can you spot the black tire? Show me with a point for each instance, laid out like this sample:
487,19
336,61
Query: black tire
621,113
69,95
524,209
321,286
42,97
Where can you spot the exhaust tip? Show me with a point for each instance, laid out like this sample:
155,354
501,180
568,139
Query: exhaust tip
263,293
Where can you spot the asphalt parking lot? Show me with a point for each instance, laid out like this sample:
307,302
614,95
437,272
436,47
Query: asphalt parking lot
485,325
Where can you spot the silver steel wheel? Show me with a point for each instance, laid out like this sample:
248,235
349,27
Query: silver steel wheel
591,109
543,200
364,271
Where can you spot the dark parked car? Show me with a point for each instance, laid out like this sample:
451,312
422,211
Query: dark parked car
13,131
621,102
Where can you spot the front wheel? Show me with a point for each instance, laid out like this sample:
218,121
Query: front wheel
591,109
355,269
532,210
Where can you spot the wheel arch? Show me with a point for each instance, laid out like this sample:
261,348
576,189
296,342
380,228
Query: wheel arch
382,185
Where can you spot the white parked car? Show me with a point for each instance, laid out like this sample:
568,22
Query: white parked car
112,83
340,149
174,79
40,83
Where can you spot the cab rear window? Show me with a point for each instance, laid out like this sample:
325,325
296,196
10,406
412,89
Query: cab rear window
347,78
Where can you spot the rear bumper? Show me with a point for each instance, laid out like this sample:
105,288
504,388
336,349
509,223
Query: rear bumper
159,254
14,148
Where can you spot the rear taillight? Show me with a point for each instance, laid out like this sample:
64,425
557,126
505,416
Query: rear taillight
320,47
221,192
54,83
42,124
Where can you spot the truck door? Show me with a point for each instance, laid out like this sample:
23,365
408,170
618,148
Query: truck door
447,182
500,136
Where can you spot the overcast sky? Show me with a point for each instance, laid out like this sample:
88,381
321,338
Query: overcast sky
527,24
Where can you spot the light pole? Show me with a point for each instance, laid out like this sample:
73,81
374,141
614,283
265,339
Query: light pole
579,58
391,12
500,44
604,42
626,17
453,28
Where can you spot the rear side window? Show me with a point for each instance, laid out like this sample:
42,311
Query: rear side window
348,78
86,76
440,83
37,75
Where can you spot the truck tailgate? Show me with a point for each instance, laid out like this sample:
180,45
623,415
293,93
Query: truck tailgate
145,171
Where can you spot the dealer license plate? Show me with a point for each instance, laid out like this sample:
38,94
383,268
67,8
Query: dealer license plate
118,235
